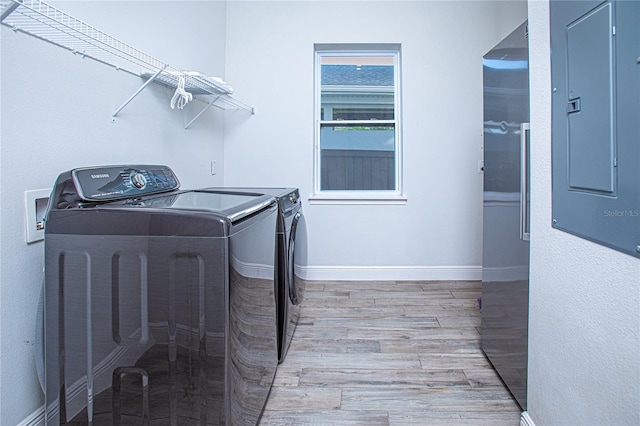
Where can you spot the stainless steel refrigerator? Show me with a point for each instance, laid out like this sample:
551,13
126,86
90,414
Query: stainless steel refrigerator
505,264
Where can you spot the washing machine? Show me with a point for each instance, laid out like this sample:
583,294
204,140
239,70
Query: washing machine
159,303
291,258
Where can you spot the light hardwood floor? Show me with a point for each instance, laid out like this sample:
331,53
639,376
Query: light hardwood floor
389,353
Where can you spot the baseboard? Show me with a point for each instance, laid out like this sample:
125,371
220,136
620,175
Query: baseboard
34,419
526,420
393,273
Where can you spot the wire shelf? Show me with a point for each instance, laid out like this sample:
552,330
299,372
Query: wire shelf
50,24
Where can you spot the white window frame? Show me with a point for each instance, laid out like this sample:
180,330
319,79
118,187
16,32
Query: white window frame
395,196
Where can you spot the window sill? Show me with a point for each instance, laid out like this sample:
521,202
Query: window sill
357,198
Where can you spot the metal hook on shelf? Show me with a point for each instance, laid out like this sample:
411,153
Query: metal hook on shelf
180,97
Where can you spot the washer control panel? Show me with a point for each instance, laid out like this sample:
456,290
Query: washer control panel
290,201
119,182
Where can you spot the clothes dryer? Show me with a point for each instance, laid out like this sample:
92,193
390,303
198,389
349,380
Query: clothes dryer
291,258
159,303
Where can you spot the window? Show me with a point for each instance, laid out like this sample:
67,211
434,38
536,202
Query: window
357,111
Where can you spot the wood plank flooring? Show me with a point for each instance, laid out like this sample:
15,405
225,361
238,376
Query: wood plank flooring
389,353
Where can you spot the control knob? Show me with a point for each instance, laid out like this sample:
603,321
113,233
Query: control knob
138,180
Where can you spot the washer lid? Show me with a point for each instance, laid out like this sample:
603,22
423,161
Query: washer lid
232,205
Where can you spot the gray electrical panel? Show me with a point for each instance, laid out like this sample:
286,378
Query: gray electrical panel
595,77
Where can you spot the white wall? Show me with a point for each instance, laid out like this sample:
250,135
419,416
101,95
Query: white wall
584,329
437,234
56,115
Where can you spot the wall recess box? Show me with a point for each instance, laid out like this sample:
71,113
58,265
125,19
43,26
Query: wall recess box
36,203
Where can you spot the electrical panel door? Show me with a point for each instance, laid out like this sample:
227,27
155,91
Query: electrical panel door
590,85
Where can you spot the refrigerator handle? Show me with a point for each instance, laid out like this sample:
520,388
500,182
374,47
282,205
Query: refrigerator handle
524,181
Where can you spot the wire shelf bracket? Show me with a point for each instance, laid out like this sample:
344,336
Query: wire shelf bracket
45,22
137,92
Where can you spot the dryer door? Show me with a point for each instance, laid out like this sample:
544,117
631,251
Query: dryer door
297,258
